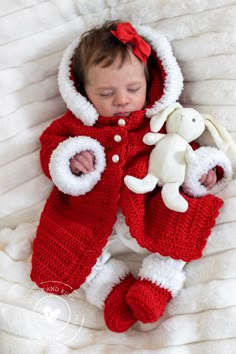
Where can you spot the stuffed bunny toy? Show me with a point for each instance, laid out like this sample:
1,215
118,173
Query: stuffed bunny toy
172,154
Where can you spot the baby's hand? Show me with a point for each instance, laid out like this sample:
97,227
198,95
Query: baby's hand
209,179
82,162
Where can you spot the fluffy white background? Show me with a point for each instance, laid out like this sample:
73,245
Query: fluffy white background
33,34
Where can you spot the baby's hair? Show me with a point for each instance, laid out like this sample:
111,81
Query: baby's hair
99,46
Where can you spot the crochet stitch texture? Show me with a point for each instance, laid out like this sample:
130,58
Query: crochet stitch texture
74,230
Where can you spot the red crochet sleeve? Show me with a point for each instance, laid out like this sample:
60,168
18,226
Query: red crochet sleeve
219,169
59,130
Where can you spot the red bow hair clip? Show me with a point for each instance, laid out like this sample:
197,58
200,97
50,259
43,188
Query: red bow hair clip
127,34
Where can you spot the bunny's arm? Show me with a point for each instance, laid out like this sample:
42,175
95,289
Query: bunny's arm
190,156
152,138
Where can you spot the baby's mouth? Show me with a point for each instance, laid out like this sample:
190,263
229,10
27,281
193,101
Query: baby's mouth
123,114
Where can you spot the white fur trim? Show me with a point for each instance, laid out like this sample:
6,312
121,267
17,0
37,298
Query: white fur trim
76,103
86,112
164,272
102,284
173,84
60,171
206,158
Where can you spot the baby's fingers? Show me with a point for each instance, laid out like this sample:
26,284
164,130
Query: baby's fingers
89,158
209,179
79,168
76,167
82,162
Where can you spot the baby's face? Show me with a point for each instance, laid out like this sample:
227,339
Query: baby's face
115,90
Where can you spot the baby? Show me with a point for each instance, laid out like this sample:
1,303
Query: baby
113,79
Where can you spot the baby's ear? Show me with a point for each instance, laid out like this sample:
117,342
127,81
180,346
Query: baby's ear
158,120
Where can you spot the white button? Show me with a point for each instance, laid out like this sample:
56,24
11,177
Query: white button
121,122
115,158
117,138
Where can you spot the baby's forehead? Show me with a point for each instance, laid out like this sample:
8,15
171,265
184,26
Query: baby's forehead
105,60
118,65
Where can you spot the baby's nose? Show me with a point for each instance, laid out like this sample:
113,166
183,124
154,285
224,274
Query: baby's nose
121,98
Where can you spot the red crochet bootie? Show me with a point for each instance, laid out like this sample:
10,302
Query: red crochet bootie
147,300
161,278
117,314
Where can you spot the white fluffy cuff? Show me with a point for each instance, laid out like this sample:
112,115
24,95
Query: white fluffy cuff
59,165
102,284
206,159
164,272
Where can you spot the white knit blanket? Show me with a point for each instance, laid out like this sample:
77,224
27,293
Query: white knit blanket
33,34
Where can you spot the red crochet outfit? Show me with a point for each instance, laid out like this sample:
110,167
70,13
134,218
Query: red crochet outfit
76,223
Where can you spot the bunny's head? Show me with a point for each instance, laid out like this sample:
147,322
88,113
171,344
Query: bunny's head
190,124
186,122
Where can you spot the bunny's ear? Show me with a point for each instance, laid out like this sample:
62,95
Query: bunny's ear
159,119
221,136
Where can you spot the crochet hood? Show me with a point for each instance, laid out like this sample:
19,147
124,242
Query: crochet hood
170,78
